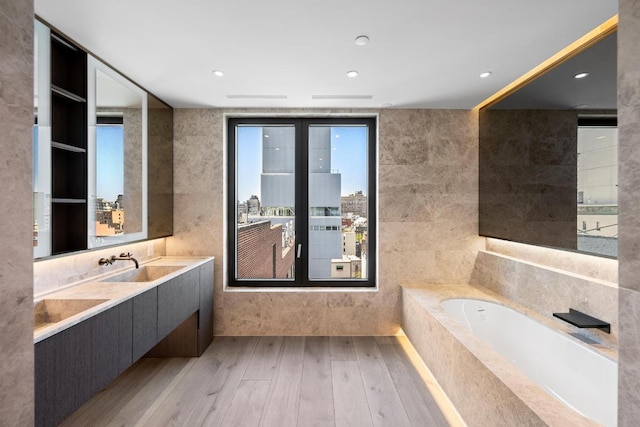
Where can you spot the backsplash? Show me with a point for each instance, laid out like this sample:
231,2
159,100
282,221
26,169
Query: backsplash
52,274
548,289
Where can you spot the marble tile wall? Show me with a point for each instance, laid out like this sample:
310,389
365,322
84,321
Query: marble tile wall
629,220
587,265
159,169
428,196
55,273
528,176
132,121
547,290
16,268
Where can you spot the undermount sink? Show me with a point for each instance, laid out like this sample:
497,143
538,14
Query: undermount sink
49,311
147,273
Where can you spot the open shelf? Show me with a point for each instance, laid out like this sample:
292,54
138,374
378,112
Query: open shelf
68,174
69,227
68,66
67,147
68,121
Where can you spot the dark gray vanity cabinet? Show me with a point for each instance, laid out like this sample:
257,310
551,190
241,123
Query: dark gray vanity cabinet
73,365
76,363
205,314
111,340
145,322
178,299
62,377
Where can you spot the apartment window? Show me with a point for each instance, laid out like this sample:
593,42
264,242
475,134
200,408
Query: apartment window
292,183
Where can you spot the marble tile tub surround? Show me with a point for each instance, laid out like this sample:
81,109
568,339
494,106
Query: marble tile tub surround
587,265
428,232
53,274
629,219
547,290
483,386
16,225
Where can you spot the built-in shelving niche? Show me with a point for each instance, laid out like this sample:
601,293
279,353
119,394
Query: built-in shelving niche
68,146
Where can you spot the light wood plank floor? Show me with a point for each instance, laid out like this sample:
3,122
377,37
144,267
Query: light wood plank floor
271,381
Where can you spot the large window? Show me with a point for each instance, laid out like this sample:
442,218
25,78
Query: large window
302,202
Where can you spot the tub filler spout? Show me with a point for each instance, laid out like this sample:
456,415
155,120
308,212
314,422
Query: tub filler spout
581,320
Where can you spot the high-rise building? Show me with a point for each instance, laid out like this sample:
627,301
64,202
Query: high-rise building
277,182
325,219
253,205
355,204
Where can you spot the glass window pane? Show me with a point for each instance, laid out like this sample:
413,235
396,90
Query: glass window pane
337,202
265,191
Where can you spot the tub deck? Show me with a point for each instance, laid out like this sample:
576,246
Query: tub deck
486,389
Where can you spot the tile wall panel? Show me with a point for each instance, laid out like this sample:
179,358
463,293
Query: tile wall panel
16,269
428,212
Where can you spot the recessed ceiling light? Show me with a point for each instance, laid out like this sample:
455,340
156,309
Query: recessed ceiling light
387,105
362,40
352,74
218,73
485,74
580,75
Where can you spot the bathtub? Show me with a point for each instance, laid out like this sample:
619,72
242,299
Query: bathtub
575,374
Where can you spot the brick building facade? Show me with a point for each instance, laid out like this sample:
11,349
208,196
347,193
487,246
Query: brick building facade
260,252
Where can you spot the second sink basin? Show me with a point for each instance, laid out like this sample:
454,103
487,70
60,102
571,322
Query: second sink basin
147,273
49,311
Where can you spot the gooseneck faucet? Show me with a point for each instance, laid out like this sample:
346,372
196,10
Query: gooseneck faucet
125,256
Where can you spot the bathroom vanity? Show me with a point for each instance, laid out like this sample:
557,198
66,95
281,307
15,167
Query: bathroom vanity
87,334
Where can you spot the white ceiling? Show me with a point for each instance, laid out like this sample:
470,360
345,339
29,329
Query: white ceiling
421,54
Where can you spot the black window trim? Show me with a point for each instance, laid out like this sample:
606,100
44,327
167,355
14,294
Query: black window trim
302,210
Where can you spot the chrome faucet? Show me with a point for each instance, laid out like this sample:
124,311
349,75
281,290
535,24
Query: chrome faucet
125,256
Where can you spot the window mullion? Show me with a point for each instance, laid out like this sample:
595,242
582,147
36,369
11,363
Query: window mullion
302,202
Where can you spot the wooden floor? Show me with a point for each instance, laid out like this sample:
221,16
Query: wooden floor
271,381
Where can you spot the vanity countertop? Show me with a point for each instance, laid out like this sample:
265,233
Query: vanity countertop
114,292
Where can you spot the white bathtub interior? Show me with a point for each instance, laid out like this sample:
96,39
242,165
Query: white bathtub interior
574,373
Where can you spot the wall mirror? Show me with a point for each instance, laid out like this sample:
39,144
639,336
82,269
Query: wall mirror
117,152
548,156
102,153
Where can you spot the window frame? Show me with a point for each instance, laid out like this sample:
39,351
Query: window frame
302,125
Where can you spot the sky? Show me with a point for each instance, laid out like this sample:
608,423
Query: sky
109,162
348,156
